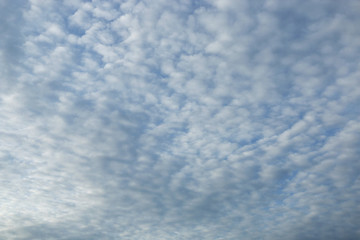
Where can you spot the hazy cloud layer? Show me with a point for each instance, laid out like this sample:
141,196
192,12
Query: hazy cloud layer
211,119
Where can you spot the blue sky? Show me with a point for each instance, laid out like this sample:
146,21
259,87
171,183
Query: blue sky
193,119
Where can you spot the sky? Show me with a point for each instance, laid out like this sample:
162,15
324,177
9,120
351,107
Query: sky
180,119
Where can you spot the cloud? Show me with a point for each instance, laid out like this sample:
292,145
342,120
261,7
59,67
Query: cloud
182,120
11,42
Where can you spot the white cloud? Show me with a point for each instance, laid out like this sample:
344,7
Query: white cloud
181,120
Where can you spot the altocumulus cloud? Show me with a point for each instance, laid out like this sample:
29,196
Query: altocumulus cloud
209,119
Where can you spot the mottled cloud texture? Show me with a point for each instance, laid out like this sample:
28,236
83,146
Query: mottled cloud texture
192,119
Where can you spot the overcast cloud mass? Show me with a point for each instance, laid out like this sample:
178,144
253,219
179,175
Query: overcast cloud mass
180,119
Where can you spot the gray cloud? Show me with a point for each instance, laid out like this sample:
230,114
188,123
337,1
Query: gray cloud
12,40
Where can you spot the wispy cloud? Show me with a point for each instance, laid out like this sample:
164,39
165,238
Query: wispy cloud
179,120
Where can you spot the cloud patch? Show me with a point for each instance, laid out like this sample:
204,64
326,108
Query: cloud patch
189,120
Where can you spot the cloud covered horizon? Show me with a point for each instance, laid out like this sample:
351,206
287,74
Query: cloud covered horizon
209,119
